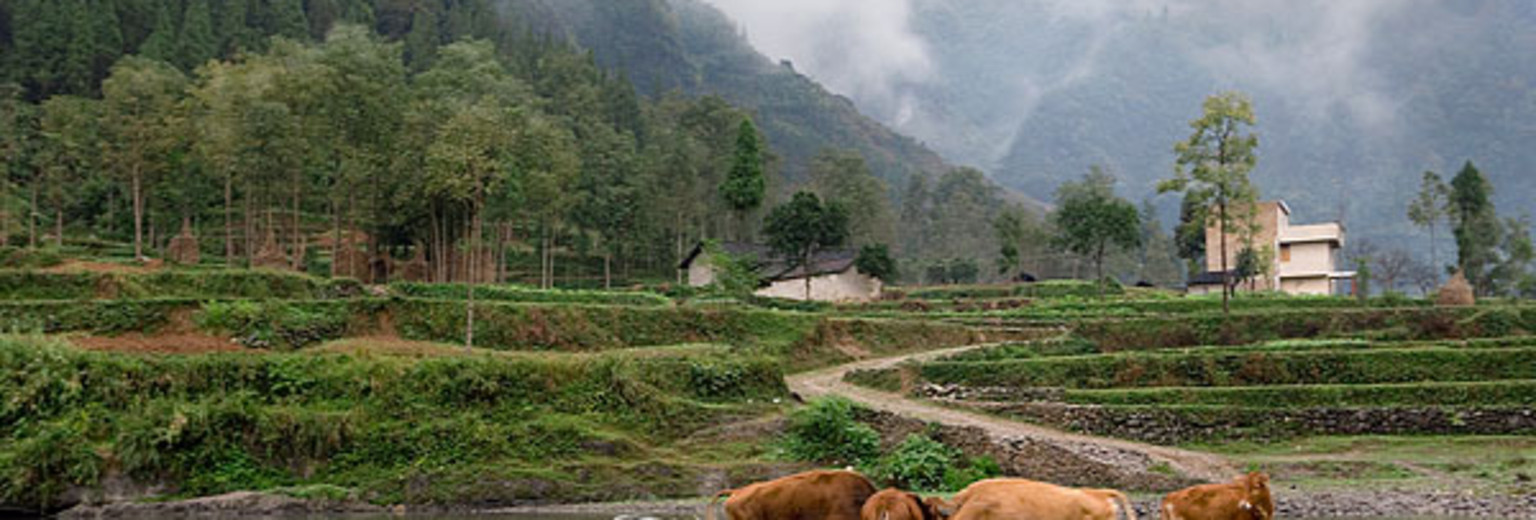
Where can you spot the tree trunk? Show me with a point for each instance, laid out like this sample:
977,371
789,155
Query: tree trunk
32,219
469,281
138,216
1098,269
805,265
1434,261
58,226
250,229
608,270
298,235
229,230
1226,281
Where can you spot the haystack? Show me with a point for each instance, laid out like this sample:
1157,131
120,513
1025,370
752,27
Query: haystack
1456,292
183,247
271,256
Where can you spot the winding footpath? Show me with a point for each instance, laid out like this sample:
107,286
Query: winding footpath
829,381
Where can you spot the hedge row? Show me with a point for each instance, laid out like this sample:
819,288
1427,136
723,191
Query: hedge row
389,427
219,283
1077,346
1251,327
1518,392
513,293
1044,289
1243,368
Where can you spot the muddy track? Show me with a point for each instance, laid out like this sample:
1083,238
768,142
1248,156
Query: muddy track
829,381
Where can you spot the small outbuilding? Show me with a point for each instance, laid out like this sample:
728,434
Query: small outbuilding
833,275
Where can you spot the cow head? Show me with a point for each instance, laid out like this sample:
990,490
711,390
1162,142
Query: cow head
1256,491
895,504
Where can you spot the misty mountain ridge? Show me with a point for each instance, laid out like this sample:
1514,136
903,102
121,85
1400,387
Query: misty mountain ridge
1354,100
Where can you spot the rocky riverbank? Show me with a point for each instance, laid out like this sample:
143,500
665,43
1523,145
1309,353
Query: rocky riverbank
1311,504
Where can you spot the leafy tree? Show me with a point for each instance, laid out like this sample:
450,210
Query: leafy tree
1212,168
198,42
1516,252
161,45
18,136
875,260
801,227
69,151
842,176
1157,260
1090,219
1429,208
1189,235
745,186
140,126
1476,227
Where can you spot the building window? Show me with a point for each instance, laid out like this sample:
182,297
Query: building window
1285,253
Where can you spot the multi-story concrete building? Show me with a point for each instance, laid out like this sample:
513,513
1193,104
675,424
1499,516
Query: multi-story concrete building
1304,259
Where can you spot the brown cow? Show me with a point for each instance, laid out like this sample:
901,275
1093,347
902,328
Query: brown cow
812,495
1244,498
998,499
895,504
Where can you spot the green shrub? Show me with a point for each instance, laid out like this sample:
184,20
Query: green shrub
826,432
23,258
100,316
173,283
1267,325
918,463
1259,368
223,422
513,293
275,324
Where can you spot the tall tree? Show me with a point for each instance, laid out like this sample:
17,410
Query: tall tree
161,44
1090,220
198,42
1157,258
1477,227
799,228
69,151
744,186
1212,168
18,136
1429,208
842,176
140,126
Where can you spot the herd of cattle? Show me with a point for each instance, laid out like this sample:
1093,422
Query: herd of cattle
846,495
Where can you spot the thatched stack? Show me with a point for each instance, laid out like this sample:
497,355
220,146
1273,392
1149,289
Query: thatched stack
1456,292
183,247
271,256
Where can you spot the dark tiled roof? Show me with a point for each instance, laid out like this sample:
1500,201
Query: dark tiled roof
1209,278
772,267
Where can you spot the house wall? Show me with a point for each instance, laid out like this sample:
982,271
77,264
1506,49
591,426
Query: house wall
701,272
1318,286
1205,289
1272,222
847,286
1309,258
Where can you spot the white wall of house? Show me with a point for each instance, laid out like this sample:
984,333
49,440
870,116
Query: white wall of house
847,286
1308,258
701,272
1319,285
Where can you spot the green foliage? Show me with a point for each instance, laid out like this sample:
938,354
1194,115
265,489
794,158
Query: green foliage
100,316
1090,219
1243,368
514,293
1203,328
216,423
799,228
826,432
735,275
745,185
275,324
918,463
232,283
23,258
875,260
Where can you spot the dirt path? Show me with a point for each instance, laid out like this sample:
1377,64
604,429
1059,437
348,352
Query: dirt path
829,381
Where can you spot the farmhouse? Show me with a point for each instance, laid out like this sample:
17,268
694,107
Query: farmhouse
834,278
1302,259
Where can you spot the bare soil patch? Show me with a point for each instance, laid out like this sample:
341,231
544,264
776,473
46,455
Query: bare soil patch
85,266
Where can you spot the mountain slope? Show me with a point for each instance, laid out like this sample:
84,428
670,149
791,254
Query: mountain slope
690,46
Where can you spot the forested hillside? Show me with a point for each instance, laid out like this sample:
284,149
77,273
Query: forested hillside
591,131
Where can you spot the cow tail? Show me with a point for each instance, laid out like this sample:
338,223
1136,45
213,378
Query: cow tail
709,510
1130,509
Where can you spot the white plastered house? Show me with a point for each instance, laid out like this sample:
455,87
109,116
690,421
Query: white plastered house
834,277
1305,260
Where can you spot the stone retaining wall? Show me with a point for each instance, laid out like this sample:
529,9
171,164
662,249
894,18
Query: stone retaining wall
1176,425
